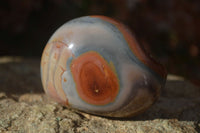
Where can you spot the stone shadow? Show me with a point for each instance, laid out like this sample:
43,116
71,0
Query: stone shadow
179,100
20,77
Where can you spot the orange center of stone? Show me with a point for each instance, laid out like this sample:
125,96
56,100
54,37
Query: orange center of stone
96,82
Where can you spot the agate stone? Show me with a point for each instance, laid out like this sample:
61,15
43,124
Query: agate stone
94,64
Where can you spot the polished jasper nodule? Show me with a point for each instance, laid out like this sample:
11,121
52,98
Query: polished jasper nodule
94,64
